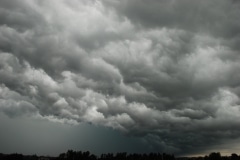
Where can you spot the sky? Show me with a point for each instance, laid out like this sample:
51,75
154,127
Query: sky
120,75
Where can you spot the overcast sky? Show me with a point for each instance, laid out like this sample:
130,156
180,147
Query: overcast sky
120,75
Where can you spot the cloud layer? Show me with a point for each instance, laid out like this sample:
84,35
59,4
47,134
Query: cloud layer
164,70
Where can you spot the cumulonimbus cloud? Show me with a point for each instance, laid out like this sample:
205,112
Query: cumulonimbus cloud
168,70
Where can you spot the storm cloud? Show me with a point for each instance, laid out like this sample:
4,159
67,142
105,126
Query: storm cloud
165,71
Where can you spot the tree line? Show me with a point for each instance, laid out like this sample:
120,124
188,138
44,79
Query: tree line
79,155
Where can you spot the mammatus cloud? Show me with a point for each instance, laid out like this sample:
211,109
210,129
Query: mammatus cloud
167,71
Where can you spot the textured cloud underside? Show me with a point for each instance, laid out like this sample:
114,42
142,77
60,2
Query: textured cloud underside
165,70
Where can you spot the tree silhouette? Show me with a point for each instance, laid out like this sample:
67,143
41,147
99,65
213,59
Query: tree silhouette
215,156
234,156
86,155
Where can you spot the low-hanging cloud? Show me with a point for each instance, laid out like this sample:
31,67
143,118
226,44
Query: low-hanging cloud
166,70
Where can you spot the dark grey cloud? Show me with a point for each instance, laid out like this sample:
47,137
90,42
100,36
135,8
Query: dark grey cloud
214,17
164,71
30,135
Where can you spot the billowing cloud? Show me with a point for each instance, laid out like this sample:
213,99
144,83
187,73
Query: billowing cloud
167,71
